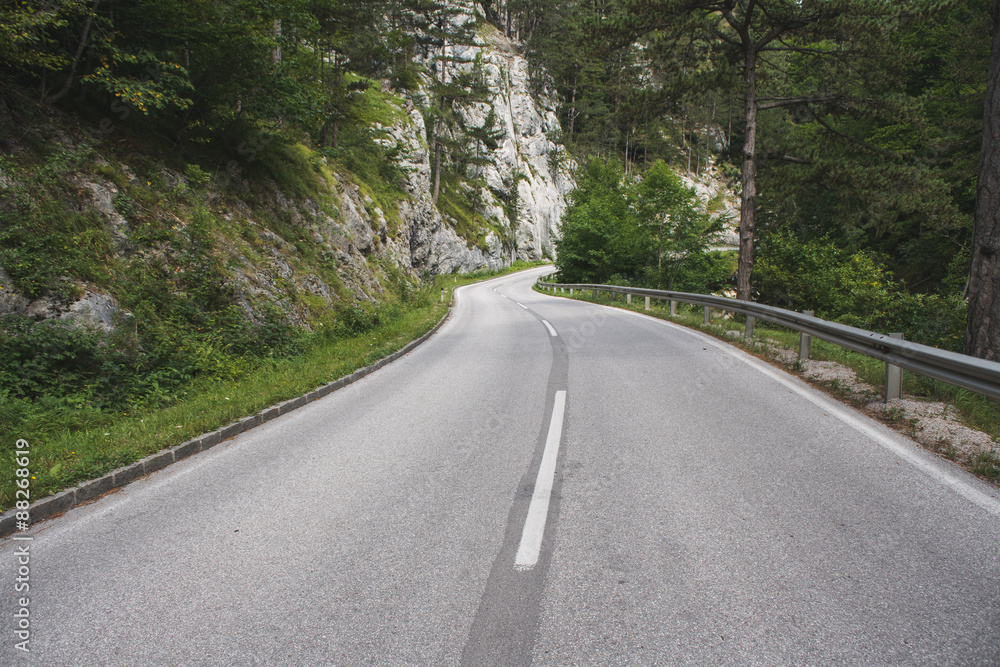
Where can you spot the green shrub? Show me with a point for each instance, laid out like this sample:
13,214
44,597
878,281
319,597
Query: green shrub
855,288
354,320
59,359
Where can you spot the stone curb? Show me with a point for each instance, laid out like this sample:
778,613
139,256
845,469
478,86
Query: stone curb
64,500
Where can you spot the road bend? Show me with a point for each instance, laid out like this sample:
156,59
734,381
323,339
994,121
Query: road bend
543,482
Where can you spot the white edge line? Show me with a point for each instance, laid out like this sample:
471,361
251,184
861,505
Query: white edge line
538,509
905,451
549,327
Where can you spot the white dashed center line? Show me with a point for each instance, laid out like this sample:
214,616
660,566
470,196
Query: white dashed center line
538,510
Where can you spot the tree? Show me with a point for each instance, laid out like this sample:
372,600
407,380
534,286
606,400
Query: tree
751,30
677,233
982,331
646,230
889,164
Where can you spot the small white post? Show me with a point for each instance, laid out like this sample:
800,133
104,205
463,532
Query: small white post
805,341
893,377
673,308
708,315
647,303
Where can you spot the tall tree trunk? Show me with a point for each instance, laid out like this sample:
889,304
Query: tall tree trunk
572,104
276,33
437,161
76,58
748,198
982,331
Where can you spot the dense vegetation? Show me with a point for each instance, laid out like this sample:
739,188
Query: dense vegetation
866,144
218,134
650,231
867,119
851,129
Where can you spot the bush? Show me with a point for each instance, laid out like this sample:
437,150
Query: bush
854,288
354,320
648,232
60,359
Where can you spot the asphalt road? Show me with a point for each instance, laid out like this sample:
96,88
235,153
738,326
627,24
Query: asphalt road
543,482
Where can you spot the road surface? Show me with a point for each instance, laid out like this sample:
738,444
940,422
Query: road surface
543,482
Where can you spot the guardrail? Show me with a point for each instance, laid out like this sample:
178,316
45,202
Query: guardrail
978,375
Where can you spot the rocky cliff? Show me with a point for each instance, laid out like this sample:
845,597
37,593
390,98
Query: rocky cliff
305,251
527,160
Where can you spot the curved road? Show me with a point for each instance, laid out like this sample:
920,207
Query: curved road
543,482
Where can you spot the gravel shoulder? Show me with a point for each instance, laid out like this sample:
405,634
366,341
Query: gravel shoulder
935,425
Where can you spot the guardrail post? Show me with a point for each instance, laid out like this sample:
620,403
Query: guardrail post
748,333
673,308
647,303
571,291
597,293
893,377
708,315
805,341
628,298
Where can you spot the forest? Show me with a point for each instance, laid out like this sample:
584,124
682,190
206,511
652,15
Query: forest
851,132
851,129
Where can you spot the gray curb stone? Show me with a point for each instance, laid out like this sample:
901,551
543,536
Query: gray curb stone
184,450
64,500
126,474
210,439
157,461
94,488
8,522
229,431
52,505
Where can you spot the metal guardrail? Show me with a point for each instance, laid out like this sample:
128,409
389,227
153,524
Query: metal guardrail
978,375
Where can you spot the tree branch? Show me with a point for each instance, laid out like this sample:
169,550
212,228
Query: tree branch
776,102
76,59
786,158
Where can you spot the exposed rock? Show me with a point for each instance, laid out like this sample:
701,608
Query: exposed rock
102,194
93,309
526,161
712,188
349,232
12,302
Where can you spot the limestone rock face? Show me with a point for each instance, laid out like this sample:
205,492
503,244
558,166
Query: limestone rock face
528,168
344,247
716,195
93,309
527,157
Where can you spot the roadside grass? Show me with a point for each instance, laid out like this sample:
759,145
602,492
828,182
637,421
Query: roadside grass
976,411
66,451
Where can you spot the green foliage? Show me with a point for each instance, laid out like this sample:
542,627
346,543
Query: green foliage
44,239
987,465
60,360
197,176
356,320
646,232
855,288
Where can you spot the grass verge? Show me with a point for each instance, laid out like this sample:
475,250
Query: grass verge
61,459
